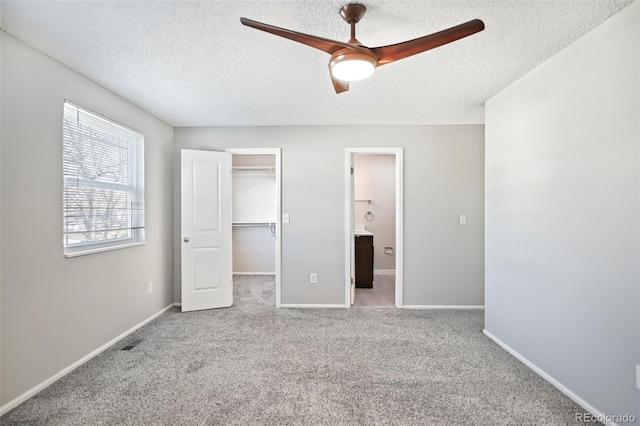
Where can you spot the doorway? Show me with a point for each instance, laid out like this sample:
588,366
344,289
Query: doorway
373,227
256,213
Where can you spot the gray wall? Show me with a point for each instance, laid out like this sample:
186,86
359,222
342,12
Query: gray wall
443,177
56,310
562,216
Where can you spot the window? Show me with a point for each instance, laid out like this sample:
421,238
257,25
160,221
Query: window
103,169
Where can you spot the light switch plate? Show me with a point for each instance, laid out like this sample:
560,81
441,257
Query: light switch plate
463,219
285,217
638,377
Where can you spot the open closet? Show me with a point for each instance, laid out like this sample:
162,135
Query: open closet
254,214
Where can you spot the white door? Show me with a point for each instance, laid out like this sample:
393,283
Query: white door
207,278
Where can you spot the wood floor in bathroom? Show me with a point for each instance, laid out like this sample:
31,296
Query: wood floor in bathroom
382,293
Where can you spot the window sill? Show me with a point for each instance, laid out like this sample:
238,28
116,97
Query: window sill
82,252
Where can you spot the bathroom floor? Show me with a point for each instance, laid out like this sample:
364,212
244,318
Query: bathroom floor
382,293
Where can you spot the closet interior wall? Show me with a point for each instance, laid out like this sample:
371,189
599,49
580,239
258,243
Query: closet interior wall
254,214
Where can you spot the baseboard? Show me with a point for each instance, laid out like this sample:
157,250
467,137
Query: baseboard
34,390
254,273
302,305
540,372
384,272
443,306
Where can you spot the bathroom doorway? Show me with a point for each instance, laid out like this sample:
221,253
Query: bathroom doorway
373,227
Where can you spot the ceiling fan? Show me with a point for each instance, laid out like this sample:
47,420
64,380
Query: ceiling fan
352,61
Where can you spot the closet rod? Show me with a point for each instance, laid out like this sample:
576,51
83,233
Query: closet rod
268,168
368,201
270,225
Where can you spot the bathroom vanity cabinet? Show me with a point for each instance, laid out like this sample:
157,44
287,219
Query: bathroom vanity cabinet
364,261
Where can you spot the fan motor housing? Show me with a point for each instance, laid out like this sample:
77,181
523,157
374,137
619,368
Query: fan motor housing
353,12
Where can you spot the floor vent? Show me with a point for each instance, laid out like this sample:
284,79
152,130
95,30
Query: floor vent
132,344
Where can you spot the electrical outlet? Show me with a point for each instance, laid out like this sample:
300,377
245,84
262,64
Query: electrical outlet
285,217
150,287
313,278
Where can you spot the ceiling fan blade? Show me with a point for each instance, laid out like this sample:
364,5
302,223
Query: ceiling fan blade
339,85
324,44
394,52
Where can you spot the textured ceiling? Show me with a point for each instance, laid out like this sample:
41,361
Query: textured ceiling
191,63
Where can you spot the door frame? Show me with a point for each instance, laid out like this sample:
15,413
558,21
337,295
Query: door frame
349,219
277,152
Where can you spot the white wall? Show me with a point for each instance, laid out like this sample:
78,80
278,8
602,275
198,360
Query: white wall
55,310
375,180
444,176
562,216
254,250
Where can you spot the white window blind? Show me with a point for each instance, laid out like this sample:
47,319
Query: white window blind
103,169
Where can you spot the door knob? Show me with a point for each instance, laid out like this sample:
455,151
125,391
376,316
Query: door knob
186,239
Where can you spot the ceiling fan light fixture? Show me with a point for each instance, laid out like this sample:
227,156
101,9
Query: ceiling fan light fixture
352,61
352,66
